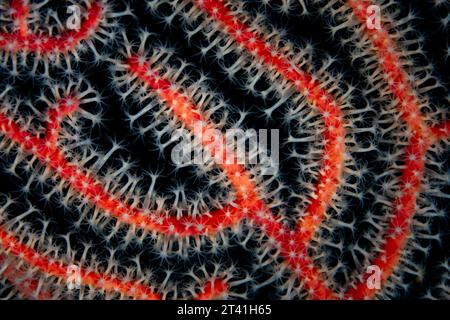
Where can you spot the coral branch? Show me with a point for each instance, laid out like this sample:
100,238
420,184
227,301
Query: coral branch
191,118
293,249
21,10
334,135
441,131
60,270
23,40
399,228
92,189
421,137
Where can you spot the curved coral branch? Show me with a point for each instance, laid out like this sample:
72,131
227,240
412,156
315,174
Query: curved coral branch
306,84
23,40
249,204
92,189
334,134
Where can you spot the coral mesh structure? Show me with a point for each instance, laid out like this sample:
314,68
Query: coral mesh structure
94,92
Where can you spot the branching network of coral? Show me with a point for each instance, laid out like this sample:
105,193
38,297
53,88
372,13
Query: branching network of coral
92,207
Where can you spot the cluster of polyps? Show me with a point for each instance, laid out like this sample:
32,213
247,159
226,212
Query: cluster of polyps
304,250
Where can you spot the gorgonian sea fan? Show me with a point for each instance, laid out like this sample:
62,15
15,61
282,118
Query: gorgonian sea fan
87,122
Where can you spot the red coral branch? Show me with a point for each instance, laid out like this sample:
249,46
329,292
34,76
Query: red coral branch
20,12
23,40
93,190
334,137
421,137
419,142
59,269
250,206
